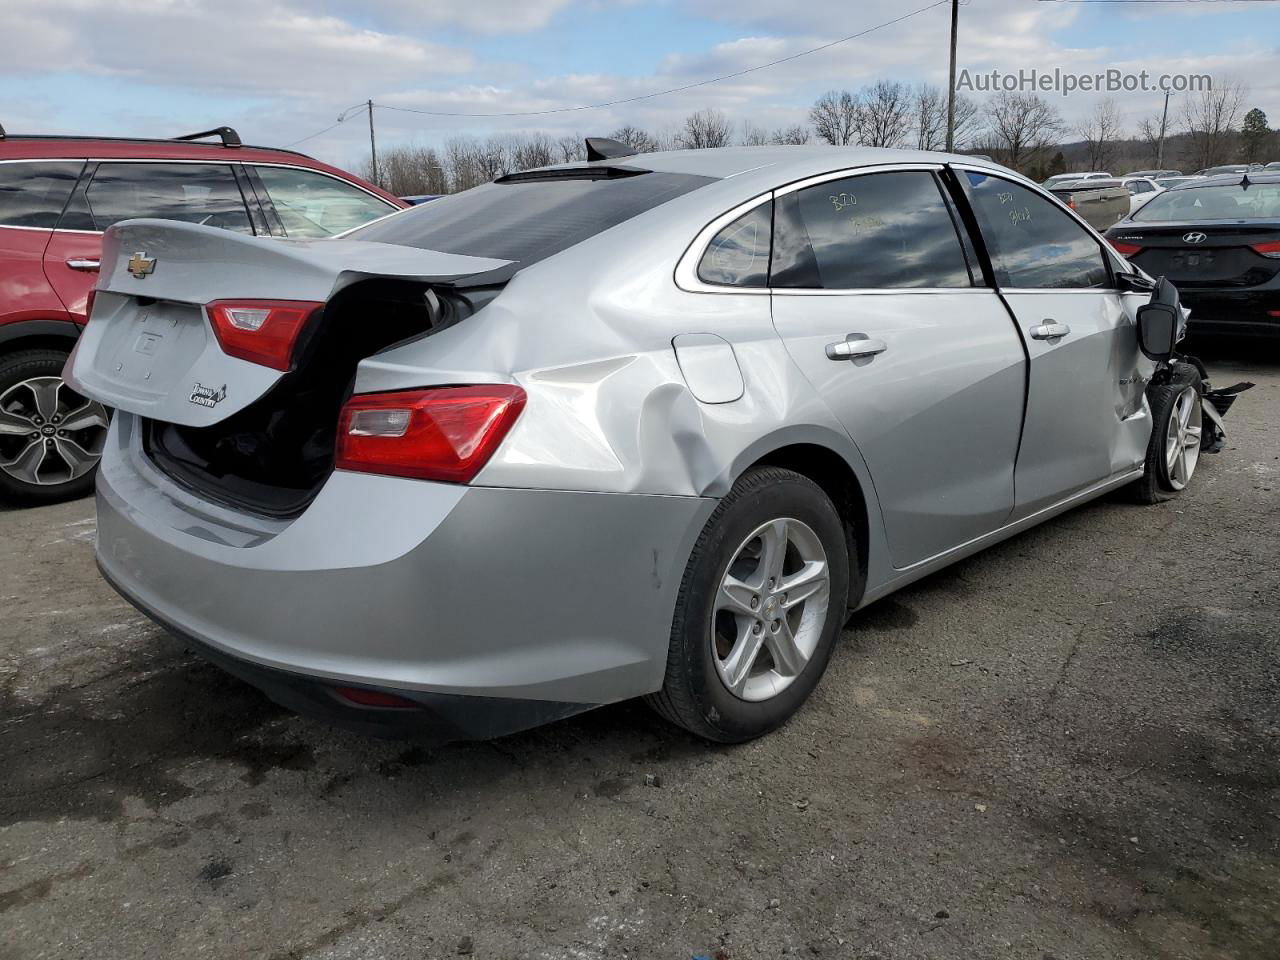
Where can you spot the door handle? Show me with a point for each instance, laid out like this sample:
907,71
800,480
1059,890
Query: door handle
1049,330
84,264
854,346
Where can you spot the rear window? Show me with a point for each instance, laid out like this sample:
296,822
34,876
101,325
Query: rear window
33,194
1228,201
528,220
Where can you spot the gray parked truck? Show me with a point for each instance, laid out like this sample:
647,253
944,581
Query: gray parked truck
1101,203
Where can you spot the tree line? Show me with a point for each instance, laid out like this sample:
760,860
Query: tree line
1021,130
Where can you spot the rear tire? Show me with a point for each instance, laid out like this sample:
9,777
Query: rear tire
747,648
50,437
1173,452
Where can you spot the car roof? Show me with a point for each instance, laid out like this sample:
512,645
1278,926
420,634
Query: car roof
41,147
1229,180
779,164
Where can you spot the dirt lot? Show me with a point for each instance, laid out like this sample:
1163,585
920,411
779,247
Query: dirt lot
1068,747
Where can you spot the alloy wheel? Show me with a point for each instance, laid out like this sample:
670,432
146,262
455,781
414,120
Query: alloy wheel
49,434
770,610
1182,438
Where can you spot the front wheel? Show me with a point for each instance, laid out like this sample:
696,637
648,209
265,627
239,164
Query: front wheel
1173,453
760,606
50,436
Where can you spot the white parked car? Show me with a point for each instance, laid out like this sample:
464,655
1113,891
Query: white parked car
1141,189
1058,179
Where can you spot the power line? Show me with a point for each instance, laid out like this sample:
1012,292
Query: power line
670,90
644,96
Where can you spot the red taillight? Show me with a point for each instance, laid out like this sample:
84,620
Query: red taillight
260,331
1268,249
1125,249
439,433
375,698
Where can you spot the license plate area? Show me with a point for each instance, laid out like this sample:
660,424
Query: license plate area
148,347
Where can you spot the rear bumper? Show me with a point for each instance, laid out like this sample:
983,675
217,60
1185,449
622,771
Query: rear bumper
1236,312
562,600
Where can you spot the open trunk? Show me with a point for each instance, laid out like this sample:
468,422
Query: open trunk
235,430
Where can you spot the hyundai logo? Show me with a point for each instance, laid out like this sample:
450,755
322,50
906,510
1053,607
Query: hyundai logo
1195,236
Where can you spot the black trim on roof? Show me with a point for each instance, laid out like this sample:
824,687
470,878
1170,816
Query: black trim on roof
573,173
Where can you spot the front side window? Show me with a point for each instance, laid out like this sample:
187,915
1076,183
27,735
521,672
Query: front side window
313,205
1033,243
33,194
191,192
875,231
738,256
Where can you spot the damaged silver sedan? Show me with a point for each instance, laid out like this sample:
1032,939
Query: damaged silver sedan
638,426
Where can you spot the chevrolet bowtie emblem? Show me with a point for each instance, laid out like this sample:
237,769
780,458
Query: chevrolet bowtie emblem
140,264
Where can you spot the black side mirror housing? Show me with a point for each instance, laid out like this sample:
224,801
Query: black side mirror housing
1160,322
1134,283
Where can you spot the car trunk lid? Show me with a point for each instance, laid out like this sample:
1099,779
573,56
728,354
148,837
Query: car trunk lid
1202,254
150,347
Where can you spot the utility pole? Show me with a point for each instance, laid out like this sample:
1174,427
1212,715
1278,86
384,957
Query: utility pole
373,146
1164,118
951,86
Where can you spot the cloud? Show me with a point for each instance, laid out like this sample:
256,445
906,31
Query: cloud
265,47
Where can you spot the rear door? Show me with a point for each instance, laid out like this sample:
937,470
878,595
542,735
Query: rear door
32,195
887,317
205,193
1085,419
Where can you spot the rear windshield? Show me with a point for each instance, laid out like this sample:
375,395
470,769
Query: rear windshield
529,220
1228,201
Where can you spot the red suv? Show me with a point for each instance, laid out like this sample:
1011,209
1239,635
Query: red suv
57,196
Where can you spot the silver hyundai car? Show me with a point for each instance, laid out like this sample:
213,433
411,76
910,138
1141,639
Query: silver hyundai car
637,426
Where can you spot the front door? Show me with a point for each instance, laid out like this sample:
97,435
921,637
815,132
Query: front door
884,313
1085,418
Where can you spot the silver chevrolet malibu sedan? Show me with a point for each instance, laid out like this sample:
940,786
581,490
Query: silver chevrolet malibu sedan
638,426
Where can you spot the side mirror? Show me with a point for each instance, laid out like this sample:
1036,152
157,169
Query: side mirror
1134,283
1159,322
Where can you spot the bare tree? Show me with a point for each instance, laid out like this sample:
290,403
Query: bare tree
460,160
705,128
533,150
753,136
793,135
409,170
834,117
1019,128
929,118
1148,140
635,138
571,147
1210,119
883,115
1100,131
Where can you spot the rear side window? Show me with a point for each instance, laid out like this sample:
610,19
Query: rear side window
191,192
738,256
313,205
875,231
1034,244
33,194
531,219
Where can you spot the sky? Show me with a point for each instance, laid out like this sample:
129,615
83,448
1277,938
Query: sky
281,71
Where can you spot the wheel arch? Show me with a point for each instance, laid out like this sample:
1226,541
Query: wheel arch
38,335
840,481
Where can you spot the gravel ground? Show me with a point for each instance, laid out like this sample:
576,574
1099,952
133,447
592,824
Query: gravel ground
1067,747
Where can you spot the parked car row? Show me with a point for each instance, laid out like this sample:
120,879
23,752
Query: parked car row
675,415
57,197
